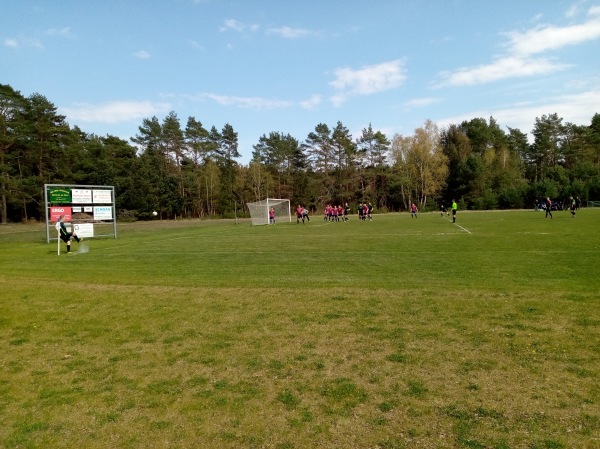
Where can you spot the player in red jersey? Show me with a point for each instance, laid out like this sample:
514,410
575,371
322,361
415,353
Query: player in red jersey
299,216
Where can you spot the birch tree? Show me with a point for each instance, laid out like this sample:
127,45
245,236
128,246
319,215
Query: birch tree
420,163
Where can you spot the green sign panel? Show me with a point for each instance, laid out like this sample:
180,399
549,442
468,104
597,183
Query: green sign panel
59,196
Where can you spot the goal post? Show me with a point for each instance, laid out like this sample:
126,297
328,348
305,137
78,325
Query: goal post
259,210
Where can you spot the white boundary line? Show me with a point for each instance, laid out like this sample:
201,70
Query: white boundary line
456,224
464,229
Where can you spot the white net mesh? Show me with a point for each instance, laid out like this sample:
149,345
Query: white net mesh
259,211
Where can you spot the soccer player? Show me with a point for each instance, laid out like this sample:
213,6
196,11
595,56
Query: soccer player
370,211
413,210
65,236
272,216
299,214
454,209
360,212
573,205
346,211
548,207
305,215
443,210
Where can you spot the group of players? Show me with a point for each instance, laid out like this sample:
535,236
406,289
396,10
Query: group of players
340,213
337,213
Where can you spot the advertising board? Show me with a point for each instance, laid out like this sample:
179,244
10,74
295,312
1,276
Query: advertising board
57,211
103,213
81,196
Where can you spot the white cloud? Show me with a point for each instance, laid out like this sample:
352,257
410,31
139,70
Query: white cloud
236,25
142,54
290,33
257,103
575,108
544,38
63,32
367,80
537,18
573,10
518,59
311,102
114,111
232,24
501,68
11,43
195,44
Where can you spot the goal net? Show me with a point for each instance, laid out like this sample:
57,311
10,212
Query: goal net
259,211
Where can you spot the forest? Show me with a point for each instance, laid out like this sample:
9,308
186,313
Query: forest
191,170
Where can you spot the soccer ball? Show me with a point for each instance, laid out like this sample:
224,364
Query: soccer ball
154,214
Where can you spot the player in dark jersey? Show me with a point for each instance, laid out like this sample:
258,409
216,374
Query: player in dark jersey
548,207
65,235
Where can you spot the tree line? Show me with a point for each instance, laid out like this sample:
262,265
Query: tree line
188,170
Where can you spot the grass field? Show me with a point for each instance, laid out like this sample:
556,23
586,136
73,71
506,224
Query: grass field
395,333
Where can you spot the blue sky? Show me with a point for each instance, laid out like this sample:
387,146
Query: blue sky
287,65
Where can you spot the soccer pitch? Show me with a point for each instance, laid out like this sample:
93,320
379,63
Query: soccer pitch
395,333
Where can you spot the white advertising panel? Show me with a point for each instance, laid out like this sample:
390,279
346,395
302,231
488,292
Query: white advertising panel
103,213
76,209
85,230
88,209
81,196
102,196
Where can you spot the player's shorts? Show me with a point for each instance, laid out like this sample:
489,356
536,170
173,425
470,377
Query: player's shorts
453,211
66,237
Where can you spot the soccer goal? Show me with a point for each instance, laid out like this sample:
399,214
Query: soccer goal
259,211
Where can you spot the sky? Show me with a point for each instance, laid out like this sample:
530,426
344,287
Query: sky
289,65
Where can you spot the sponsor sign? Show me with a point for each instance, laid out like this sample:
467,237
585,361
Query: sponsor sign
88,209
103,213
84,230
81,196
76,209
102,196
59,196
57,211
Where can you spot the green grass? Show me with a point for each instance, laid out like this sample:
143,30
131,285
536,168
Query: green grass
396,333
